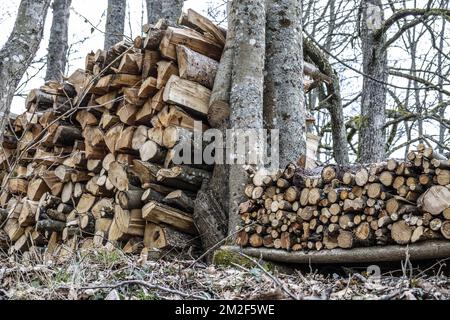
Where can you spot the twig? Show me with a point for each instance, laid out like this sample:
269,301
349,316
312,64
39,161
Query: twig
274,279
147,285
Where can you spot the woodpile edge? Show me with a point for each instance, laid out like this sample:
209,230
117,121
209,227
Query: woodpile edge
393,202
90,162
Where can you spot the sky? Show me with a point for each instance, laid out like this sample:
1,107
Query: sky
87,20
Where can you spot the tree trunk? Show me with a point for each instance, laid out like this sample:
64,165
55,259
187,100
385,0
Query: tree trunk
18,52
418,251
284,107
418,105
373,97
211,205
246,97
115,22
57,46
334,104
442,128
171,10
154,8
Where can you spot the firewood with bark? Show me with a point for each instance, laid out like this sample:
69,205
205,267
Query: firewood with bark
94,147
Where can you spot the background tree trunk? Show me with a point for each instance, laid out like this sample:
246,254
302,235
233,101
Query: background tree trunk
19,51
115,22
334,107
171,10
58,45
373,97
442,128
333,98
246,98
418,105
284,107
154,8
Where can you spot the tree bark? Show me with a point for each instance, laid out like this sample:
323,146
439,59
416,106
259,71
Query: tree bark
246,97
154,9
442,128
171,10
418,251
115,22
373,97
58,45
334,104
418,105
19,51
211,205
284,107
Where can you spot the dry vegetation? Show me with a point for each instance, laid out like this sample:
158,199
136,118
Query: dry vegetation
113,275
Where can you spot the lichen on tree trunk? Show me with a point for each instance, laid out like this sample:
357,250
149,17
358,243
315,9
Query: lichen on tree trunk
284,107
154,8
58,45
115,22
373,96
171,10
19,51
246,97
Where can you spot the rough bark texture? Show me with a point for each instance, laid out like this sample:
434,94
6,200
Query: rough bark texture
373,97
442,128
334,104
20,49
246,98
154,8
211,205
115,22
196,67
417,251
283,96
171,10
58,45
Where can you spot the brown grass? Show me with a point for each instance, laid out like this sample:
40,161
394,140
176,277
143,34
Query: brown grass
101,274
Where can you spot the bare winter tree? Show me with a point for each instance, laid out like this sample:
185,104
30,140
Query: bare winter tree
115,22
332,100
247,82
171,10
373,97
326,22
58,43
413,26
19,51
440,67
154,9
283,97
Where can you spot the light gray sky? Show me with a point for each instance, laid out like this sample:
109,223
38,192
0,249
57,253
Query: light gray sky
83,37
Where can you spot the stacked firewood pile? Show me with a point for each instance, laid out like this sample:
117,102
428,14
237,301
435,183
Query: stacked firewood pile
394,202
92,158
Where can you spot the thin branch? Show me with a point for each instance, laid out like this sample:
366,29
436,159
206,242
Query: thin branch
147,285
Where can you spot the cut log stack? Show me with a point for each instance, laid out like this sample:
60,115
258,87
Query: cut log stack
93,158
394,202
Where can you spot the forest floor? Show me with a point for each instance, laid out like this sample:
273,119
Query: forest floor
101,274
